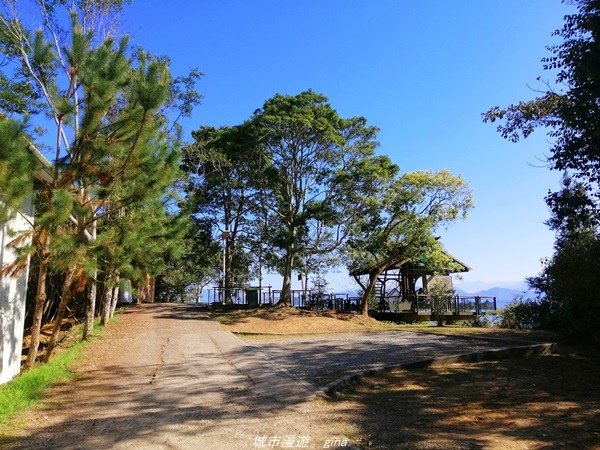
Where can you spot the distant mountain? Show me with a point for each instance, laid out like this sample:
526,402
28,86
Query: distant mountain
478,286
503,295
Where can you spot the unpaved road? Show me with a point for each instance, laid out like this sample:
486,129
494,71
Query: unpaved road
161,381
167,377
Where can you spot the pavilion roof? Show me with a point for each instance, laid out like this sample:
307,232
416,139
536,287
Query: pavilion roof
415,267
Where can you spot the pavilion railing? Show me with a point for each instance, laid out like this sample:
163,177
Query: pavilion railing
422,304
475,304
416,303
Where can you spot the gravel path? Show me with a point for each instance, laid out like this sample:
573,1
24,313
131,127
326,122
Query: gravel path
166,377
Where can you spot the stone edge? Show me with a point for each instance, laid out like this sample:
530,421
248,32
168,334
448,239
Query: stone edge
488,355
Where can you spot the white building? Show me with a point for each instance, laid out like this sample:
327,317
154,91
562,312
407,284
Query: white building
13,290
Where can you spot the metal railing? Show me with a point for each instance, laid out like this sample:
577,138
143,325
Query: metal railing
421,303
267,296
474,304
241,295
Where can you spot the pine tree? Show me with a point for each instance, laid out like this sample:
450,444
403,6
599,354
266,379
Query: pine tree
16,167
112,151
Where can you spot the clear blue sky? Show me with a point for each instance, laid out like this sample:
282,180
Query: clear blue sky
422,71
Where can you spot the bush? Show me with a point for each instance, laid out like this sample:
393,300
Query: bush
441,295
528,314
570,283
482,321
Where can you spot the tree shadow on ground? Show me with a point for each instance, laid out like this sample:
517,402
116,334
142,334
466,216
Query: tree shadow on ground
542,402
177,311
204,400
323,359
154,399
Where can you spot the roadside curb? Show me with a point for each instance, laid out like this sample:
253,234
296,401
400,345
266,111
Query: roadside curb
488,355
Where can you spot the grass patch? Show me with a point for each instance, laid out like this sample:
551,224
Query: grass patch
494,333
24,391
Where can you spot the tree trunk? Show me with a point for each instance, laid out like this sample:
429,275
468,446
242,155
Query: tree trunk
286,288
114,299
364,303
229,250
106,302
144,288
305,287
40,302
152,288
147,290
90,309
67,293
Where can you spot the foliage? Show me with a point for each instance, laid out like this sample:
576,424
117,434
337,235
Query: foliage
186,274
482,320
223,170
398,221
568,110
23,391
528,314
441,295
310,153
16,164
106,106
402,212
571,287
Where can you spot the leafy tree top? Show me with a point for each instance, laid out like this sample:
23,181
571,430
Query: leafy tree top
568,110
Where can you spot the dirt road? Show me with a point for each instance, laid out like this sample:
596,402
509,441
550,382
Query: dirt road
167,377
162,380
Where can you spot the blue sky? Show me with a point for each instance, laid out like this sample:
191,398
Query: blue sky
422,71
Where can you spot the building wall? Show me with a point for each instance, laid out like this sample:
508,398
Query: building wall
13,291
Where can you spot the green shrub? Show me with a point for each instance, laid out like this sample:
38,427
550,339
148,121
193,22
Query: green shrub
441,295
529,314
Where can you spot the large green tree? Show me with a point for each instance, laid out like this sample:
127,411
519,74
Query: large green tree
399,218
223,170
568,111
309,150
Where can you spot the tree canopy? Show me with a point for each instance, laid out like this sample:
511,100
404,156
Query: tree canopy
568,110
309,152
399,219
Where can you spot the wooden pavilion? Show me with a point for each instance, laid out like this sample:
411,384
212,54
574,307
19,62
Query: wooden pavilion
402,290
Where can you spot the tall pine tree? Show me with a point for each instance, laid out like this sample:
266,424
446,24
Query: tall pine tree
111,149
